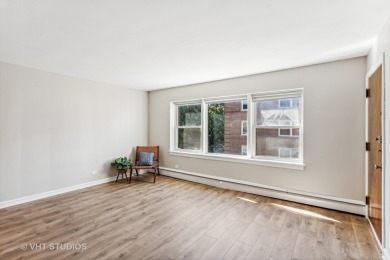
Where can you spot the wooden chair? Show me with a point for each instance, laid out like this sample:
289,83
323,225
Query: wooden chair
154,167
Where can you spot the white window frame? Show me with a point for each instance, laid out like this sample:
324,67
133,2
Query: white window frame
218,100
250,158
176,127
282,95
242,127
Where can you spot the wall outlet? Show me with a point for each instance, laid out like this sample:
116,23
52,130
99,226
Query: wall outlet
94,172
176,166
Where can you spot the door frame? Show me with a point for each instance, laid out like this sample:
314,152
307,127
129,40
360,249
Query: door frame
380,61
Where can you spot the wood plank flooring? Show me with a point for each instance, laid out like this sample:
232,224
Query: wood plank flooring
175,219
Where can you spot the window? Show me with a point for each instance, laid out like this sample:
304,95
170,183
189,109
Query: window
244,105
288,132
225,127
285,103
276,119
285,132
188,127
288,152
262,128
244,127
244,150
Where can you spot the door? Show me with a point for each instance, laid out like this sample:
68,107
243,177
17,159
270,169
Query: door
375,151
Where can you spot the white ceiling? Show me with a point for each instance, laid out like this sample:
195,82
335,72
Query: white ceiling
151,45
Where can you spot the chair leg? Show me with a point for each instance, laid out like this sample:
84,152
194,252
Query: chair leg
158,171
155,175
136,171
130,175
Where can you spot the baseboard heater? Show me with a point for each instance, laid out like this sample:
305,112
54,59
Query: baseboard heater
335,203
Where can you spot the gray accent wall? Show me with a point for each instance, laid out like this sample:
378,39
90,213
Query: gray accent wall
334,128
55,130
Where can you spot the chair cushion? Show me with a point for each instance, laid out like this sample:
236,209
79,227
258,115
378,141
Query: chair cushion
145,159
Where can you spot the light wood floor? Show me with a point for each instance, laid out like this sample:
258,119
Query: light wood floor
175,219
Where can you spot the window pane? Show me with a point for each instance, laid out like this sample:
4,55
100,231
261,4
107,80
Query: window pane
295,131
189,115
284,152
295,102
278,112
270,143
244,128
244,105
294,153
244,150
189,138
285,103
283,132
288,131
224,127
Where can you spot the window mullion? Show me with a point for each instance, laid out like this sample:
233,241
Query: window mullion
173,129
251,122
301,129
204,133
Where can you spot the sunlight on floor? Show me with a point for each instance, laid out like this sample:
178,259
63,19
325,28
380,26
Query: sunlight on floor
248,200
304,212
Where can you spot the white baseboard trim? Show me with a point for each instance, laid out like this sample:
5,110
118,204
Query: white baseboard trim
9,203
336,203
385,254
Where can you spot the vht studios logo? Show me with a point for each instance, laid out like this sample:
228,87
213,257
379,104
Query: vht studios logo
54,246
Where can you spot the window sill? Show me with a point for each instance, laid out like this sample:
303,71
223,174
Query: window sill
239,159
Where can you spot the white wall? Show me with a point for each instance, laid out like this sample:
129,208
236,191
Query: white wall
54,130
334,128
382,45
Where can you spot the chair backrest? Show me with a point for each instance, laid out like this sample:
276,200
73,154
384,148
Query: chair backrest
147,149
